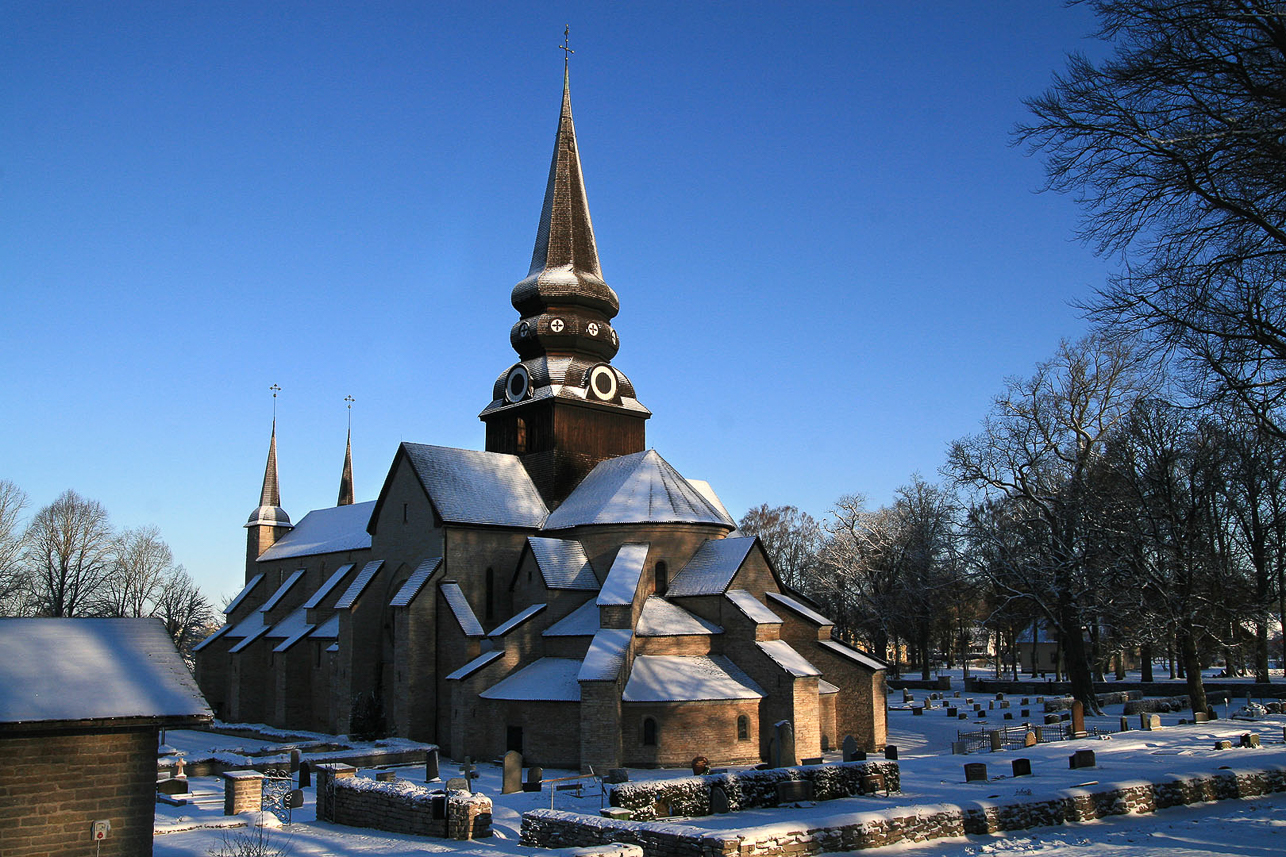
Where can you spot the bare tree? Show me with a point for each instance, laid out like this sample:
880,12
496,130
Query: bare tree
1176,147
792,539
69,554
15,588
140,564
1038,446
186,612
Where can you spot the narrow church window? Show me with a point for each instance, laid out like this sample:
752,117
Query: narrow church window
404,505
490,607
662,574
743,728
649,732
522,436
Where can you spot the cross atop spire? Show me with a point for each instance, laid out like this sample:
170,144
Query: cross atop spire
567,52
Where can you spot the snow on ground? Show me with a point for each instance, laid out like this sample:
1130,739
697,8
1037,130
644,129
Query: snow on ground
930,775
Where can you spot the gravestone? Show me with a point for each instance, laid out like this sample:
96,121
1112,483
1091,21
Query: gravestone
305,774
1029,740
859,755
1039,732
294,759
959,748
1081,759
1078,719
812,760
891,752
1250,739
917,710
385,776
511,780
1004,703
718,800
977,706
963,716
1026,701
906,695
991,704
952,711
955,694
1150,722
1021,767
1223,745
975,772
982,714
1051,719
1125,723
468,774
431,764
1000,696
872,782
793,791
849,748
1200,717
1009,715
536,779
997,740
1026,712
458,784
785,744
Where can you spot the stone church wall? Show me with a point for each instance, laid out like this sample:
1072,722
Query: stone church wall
688,729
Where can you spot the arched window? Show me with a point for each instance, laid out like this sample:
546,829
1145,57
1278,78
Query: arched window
743,728
490,604
649,732
661,573
522,436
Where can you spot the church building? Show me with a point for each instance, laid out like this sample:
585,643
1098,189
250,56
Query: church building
565,593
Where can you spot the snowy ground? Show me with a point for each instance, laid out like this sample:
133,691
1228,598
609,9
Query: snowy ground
930,775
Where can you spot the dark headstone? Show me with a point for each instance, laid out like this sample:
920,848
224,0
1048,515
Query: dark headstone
1125,723
849,747
812,760
305,774
785,744
1250,739
172,786
718,800
952,711
431,764
1039,732
535,779
294,759
512,777
982,714
997,740
959,748
891,752
793,791
1051,719
1223,745
975,772
1009,715
385,776
1021,767
872,782
1081,759
296,800
917,710
1025,713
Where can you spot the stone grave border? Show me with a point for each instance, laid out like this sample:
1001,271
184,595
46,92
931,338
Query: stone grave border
400,806
861,829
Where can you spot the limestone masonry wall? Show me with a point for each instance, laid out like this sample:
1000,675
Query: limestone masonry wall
874,828
404,807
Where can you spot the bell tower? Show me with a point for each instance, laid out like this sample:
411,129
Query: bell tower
564,407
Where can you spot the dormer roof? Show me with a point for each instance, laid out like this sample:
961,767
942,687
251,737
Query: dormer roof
641,488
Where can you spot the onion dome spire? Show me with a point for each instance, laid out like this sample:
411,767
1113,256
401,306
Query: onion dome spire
270,512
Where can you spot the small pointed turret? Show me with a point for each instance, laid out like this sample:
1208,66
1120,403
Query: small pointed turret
346,478
269,522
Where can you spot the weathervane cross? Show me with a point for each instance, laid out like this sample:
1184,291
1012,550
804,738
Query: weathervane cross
350,401
275,390
567,52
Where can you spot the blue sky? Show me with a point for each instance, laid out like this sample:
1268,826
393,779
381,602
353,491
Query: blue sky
828,254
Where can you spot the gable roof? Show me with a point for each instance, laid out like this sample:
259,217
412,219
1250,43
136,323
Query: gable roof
545,679
61,670
471,487
339,528
641,488
562,563
674,678
712,567
660,618
623,577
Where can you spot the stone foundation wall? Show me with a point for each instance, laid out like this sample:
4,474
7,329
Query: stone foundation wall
875,829
399,806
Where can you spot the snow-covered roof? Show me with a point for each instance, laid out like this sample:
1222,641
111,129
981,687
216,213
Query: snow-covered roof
824,687
329,629
606,655
359,584
581,622
673,678
635,489
339,528
316,598
241,596
460,608
293,628
753,607
623,577
562,563
544,680
508,625
285,587
474,665
247,626
210,639
660,618
852,654
707,491
413,584
55,670
472,487
250,638
711,568
799,607
787,658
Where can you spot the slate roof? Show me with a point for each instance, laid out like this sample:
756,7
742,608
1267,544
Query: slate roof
70,670
641,488
285,587
251,637
581,622
660,618
317,597
799,607
674,678
562,563
355,589
474,665
623,577
339,528
246,627
711,568
241,596
606,655
460,608
412,585
516,620
472,487
546,679
753,607
853,654
785,656
329,629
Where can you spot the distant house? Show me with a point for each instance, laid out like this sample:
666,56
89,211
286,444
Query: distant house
81,704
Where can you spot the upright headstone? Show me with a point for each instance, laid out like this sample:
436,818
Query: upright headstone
1039,733
294,759
431,765
512,777
467,773
997,740
305,774
1250,739
1081,759
975,772
785,744
891,752
1078,719
906,695
1125,723
536,779
718,800
959,748
1021,767
849,748
1029,740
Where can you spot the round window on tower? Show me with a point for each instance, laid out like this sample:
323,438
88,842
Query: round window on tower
602,382
518,384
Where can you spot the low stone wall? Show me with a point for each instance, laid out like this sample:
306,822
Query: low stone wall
859,830
748,789
400,806
1064,703
1217,690
1154,706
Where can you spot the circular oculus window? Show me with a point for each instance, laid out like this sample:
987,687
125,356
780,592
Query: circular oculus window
556,325
518,384
592,329
602,382
524,329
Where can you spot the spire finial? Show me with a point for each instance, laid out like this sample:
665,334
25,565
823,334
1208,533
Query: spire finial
275,390
346,476
567,52
350,401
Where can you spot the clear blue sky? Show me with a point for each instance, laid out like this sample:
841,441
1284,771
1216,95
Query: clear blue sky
828,255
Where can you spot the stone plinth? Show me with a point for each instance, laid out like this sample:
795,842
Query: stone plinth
242,792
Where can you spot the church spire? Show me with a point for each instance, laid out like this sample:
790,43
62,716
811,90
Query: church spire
269,522
346,478
271,493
